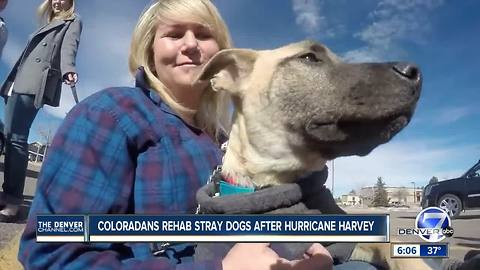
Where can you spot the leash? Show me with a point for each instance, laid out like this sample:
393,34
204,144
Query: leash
74,93
159,249
216,175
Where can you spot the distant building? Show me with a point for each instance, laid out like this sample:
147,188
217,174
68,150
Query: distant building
398,195
36,152
351,200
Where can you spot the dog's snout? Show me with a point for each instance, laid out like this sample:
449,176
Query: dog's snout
407,70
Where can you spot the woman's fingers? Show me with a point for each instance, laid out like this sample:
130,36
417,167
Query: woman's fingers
70,78
254,256
257,256
315,257
317,249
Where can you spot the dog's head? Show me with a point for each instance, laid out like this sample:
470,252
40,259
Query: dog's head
304,98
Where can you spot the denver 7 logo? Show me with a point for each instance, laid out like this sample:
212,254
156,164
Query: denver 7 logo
432,223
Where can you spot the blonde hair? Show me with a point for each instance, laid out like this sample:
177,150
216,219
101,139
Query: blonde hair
46,15
213,116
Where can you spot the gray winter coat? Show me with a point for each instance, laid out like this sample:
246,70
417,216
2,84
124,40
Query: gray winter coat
50,54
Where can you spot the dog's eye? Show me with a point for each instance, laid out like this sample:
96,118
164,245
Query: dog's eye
311,57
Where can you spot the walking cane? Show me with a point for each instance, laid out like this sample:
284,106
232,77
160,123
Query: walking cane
74,93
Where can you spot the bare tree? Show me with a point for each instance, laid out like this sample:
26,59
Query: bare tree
46,132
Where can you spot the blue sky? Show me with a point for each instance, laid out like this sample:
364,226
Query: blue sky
440,36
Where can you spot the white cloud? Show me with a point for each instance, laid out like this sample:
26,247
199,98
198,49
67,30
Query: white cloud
406,5
453,114
400,163
394,21
364,54
308,17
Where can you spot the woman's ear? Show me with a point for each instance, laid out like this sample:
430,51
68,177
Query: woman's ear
227,69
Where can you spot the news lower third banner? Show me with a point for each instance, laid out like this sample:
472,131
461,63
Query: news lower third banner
213,228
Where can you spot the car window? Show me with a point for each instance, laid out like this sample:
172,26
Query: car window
475,172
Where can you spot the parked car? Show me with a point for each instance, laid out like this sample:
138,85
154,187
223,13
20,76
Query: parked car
398,204
455,195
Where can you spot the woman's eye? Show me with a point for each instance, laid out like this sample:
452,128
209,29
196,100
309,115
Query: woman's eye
311,57
174,35
203,35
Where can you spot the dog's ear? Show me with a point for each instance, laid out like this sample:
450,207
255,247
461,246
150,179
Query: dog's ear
228,68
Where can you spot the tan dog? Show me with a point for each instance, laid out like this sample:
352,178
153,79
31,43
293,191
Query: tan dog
298,106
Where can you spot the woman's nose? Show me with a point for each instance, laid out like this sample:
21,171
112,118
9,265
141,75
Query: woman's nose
190,41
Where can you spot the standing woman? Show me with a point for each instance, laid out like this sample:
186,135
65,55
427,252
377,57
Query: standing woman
35,80
3,27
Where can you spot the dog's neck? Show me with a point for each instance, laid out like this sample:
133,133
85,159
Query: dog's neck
247,165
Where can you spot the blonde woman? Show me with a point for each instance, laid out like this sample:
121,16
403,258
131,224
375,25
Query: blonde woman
142,150
35,80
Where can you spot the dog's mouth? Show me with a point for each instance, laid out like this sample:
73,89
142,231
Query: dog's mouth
383,129
347,137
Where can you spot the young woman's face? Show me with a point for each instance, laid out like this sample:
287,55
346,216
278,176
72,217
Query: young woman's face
180,51
61,5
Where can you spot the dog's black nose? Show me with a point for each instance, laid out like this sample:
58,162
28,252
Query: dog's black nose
407,70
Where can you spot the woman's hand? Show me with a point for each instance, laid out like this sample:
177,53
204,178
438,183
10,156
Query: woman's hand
245,256
70,78
259,256
316,257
